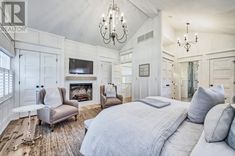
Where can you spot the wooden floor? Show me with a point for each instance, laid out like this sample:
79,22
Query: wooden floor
64,141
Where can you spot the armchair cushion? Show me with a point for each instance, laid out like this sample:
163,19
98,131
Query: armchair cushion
63,111
113,101
53,97
110,91
73,103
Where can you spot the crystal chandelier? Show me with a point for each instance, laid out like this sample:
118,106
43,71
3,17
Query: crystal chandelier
187,43
113,26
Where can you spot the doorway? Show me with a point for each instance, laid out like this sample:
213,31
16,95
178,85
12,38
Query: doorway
189,79
126,72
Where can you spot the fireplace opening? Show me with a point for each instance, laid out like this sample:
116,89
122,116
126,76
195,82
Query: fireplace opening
81,91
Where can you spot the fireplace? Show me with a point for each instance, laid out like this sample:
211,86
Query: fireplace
81,91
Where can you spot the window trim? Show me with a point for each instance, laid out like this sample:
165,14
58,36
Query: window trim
10,84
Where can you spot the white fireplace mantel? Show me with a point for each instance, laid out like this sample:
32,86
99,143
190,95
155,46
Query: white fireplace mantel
80,78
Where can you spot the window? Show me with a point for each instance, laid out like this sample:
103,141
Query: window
126,58
6,77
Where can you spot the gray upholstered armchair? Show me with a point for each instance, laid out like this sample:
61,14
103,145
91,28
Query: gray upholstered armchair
49,115
107,102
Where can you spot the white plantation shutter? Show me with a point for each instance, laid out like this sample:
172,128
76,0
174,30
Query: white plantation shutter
6,82
11,83
1,83
6,77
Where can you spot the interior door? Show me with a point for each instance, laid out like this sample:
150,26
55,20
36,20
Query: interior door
49,63
29,77
117,77
222,71
106,72
184,80
167,78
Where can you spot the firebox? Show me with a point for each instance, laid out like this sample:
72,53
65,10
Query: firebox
81,91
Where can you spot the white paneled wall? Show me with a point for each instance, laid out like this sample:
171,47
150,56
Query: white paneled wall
96,54
210,46
146,52
6,114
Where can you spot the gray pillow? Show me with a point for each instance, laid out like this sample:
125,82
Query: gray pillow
231,135
203,100
217,123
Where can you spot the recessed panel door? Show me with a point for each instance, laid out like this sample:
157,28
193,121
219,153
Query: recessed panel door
222,72
29,77
167,78
49,70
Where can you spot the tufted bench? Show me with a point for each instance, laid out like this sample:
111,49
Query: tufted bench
87,124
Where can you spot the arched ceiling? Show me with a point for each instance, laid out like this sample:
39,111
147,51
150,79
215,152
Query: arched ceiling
79,19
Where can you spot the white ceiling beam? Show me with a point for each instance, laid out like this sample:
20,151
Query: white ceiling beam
146,7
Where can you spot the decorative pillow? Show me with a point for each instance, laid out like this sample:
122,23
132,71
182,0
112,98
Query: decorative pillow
53,97
110,91
203,100
231,135
217,122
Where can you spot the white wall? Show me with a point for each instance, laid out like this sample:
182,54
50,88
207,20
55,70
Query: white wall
96,54
168,32
147,52
6,114
210,45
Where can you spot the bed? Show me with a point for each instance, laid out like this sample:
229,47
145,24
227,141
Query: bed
183,140
137,129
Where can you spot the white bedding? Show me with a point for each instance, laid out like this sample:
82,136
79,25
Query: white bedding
204,148
134,129
182,142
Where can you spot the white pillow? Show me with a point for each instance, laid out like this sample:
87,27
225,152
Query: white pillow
203,100
217,123
53,97
110,91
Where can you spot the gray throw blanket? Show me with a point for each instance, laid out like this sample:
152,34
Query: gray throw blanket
133,129
154,102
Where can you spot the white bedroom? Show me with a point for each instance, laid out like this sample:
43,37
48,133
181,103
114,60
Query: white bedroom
117,78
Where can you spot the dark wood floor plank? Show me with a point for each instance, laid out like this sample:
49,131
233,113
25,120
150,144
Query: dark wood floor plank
64,141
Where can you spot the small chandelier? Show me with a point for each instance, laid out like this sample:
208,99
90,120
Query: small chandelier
187,43
113,26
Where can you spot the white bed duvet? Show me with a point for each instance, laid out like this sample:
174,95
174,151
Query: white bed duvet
134,129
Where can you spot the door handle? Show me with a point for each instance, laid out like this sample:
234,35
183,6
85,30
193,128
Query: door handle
42,86
211,85
167,85
37,86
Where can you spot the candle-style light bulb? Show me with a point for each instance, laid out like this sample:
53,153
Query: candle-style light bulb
185,37
196,38
103,19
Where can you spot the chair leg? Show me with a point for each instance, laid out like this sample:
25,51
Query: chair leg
76,117
52,127
39,122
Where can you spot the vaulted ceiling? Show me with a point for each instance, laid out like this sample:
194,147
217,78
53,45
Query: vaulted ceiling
79,19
